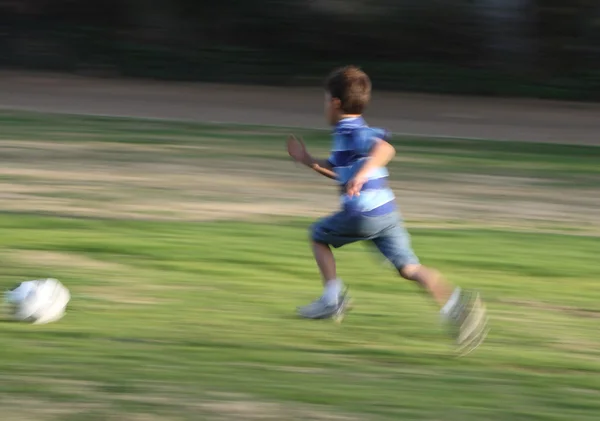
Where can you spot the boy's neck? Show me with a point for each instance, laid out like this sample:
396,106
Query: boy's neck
347,117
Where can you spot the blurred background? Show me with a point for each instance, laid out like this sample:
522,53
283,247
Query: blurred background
143,164
540,48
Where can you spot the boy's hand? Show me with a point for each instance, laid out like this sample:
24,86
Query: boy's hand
354,186
298,153
297,150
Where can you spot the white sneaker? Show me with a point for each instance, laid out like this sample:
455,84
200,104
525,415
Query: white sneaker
322,309
468,322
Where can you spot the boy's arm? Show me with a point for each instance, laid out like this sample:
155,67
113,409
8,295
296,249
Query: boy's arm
322,166
298,152
381,154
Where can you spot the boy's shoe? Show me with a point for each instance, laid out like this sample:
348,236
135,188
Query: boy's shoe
321,309
468,322
344,305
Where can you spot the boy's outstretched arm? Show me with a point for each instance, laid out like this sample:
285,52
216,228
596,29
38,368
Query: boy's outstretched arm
323,167
381,154
298,152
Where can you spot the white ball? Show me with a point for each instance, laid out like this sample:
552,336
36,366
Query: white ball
38,302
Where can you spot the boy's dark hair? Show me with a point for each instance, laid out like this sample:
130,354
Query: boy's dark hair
351,86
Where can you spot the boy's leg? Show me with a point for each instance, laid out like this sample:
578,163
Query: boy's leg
326,263
462,309
393,241
327,232
430,279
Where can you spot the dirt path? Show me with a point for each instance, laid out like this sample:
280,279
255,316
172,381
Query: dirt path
502,119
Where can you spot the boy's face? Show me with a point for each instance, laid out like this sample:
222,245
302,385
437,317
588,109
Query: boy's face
333,113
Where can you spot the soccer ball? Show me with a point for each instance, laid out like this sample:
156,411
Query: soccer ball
38,302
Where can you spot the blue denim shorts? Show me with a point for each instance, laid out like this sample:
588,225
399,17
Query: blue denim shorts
387,232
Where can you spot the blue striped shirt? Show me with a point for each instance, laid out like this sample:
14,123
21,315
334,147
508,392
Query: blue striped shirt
353,140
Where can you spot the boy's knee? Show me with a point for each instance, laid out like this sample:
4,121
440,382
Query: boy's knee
405,262
409,271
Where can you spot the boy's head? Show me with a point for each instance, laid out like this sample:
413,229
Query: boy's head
347,93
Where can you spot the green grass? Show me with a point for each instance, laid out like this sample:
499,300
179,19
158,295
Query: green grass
195,321
445,156
168,318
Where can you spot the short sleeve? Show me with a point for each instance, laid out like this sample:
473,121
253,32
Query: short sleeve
365,139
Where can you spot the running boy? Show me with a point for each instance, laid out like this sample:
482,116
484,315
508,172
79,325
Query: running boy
369,212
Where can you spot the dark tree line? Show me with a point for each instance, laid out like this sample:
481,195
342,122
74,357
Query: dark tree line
522,47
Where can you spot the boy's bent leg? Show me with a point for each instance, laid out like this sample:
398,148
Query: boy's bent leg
395,245
464,310
430,279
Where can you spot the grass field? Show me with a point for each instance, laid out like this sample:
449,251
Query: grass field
185,249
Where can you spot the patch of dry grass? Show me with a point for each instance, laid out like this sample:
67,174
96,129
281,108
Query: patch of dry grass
181,177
